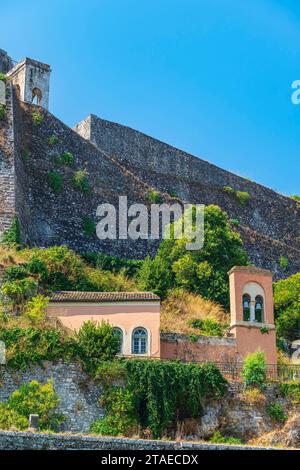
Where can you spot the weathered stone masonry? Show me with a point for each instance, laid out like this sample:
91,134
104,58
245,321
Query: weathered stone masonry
78,394
121,161
26,441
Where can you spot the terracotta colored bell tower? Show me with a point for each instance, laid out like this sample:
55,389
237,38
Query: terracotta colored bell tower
252,311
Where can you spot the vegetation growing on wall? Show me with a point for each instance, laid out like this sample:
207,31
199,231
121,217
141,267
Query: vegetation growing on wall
11,237
89,226
154,197
80,181
37,118
55,181
157,393
242,197
53,140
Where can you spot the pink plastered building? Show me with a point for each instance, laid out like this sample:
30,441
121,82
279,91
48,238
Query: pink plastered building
136,319
134,315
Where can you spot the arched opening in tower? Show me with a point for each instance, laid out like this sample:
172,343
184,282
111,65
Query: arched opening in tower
36,96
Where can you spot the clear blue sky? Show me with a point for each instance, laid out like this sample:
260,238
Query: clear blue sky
212,77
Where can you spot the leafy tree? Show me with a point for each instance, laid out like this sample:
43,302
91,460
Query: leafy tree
287,307
201,271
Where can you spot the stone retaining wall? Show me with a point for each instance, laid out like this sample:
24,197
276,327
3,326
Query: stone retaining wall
26,441
77,392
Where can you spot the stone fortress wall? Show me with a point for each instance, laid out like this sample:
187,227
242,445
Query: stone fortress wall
122,161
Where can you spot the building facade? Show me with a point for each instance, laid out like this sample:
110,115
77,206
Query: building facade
136,319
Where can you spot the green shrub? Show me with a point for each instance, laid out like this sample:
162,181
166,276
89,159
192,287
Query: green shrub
235,222
89,226
283,262
35,308
109,372
254,370
3,77
33,345
37,118
53,140
209,327
10,419
17,292
59,268
217,438
264,330
31,398
2,111
295,197
242,197
276,412
291,390
96,343
114,264
11,236
80,181
120,413
66,159
55,181
154,197
228,190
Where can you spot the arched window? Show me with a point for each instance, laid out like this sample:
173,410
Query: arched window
36,96
139,341
259,309
246,307
119,333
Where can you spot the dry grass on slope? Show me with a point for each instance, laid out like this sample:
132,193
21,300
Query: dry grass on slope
181,309
9,256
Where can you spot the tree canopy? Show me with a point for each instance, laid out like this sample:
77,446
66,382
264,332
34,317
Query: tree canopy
202,271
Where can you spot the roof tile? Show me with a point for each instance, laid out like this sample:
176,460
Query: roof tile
76,296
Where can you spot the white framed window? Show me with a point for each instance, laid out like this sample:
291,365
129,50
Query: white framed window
139,341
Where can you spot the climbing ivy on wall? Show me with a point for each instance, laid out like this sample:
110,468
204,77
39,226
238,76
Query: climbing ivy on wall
164,391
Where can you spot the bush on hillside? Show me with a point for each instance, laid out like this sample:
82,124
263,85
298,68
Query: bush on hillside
254,370
96,343
287,307
31,398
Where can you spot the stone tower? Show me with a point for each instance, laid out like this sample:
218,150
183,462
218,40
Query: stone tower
31,81
252,311
6,62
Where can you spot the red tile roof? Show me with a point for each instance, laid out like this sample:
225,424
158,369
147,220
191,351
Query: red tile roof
76,296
